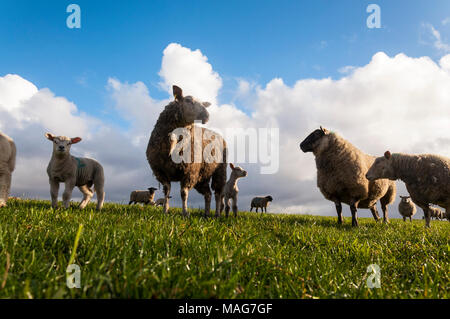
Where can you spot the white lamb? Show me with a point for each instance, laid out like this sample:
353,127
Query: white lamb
73,171
231,189
7,165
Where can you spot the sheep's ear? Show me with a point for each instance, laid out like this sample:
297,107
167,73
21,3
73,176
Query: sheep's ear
177,93
231,166
206,104
50,136
387,155
75,140
324,130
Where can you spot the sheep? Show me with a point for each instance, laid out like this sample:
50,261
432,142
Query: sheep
406,208
426,176
261,202
341,169
73,171
191,172
160,201
231,189
436,213
7,165
145,197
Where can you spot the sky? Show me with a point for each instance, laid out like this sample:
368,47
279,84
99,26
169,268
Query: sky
291,65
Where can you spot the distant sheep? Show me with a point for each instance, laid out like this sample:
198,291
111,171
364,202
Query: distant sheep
406,208
194,172
426,176
261,202
231,189
341,169
7,165
436,213
73,171
160,201
145,197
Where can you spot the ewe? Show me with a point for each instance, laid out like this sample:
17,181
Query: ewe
7,164
261,202
145,197
73,171
341,169
195,172
427,178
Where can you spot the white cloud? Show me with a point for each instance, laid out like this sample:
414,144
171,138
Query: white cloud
435,38
398,103
446,21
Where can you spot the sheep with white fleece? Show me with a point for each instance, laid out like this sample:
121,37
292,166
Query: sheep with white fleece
7,165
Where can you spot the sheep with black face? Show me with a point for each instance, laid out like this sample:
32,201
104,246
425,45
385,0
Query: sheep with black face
341,169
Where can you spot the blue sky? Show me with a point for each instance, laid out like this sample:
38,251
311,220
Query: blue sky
254,40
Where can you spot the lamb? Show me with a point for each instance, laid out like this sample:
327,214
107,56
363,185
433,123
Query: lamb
341,169
160,201
261,202
73,171
231,189
426,176
145,197
406,208
191,171
7,165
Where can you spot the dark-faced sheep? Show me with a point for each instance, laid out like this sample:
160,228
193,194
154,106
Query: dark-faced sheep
7,165
73,171
260,202
145,197
341,169
406,208
427,178
203,155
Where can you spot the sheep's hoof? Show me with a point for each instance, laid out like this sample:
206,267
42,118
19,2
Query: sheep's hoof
386,221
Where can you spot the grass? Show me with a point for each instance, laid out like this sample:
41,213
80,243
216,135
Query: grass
136,252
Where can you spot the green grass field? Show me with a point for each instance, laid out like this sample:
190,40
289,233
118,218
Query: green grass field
136,252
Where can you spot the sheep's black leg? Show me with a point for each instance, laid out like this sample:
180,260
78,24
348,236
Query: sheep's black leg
353,209
235,208
404,219
227,206
218,199
339,212
427,214
374,212
251,208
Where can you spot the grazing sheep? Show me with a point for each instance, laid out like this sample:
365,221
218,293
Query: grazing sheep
160,201
436,213
145,197
7,165
406,208
261,202
73,171
194,172
341,169
231,189
427,178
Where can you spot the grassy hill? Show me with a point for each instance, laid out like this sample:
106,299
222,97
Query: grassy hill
136,252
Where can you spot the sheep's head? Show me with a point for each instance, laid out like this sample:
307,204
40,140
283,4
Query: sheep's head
269,198
237,171
191,109
152,190
382,168
406,199
313,140
62,144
